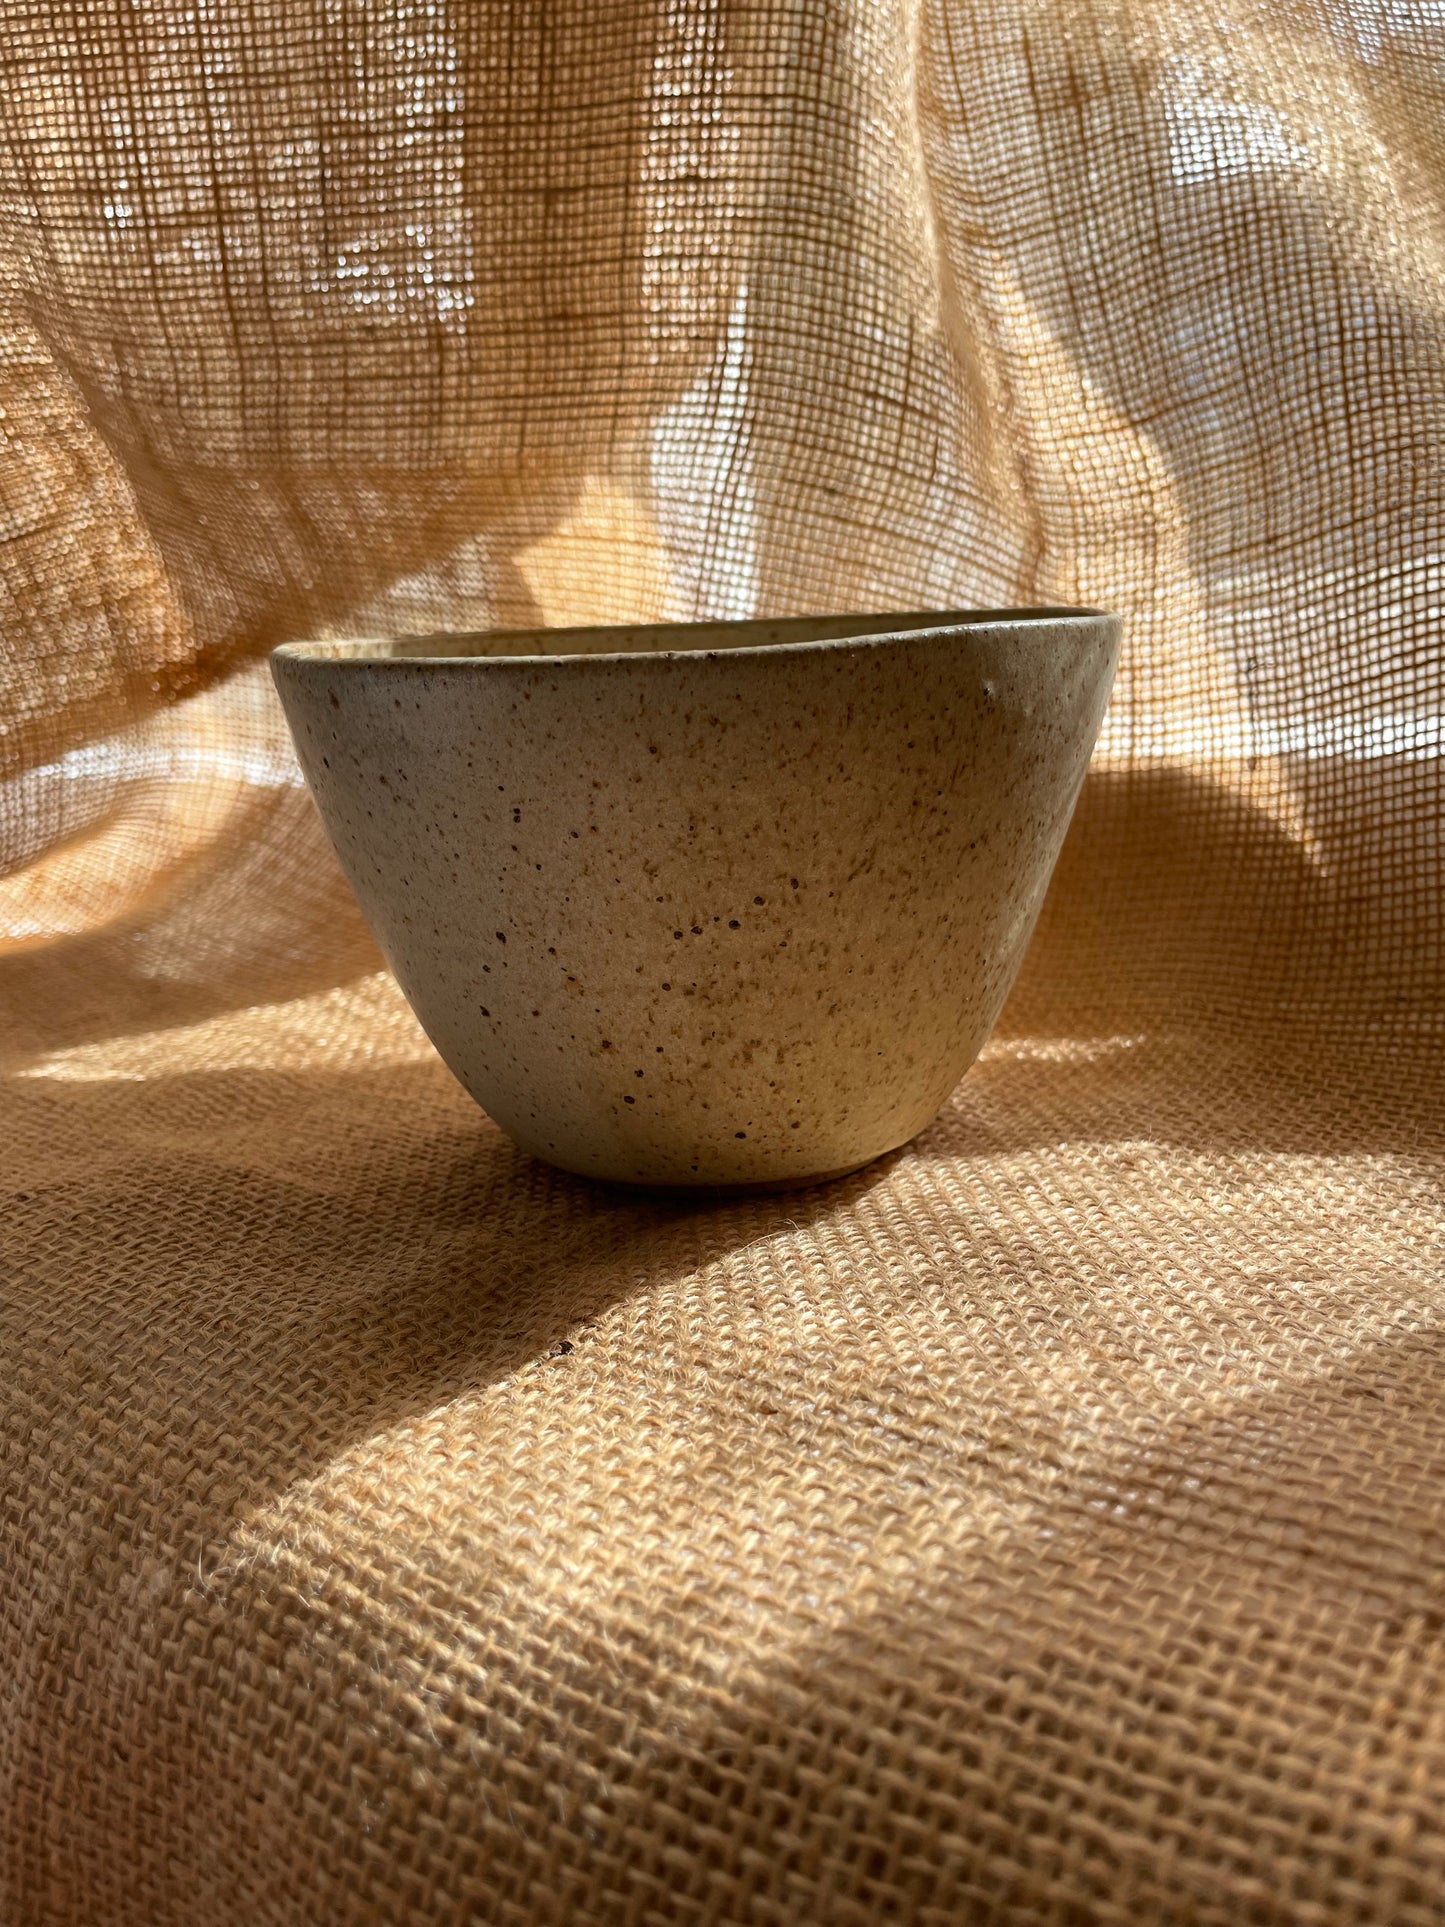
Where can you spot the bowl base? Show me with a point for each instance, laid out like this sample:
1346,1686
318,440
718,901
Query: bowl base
664,1188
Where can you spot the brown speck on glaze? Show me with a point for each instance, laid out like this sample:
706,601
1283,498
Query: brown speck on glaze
887,796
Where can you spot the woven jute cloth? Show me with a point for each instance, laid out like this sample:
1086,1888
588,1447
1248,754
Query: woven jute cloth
1044,1525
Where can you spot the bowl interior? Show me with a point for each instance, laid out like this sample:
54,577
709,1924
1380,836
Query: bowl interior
677,638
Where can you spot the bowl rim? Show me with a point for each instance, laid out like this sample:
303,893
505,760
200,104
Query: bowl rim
853,630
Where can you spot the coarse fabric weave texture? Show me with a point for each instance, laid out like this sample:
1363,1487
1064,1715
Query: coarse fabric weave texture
1044,1525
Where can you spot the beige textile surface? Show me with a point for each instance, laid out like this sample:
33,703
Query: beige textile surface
1044,1525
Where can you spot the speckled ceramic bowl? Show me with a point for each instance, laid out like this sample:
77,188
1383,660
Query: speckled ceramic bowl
706,905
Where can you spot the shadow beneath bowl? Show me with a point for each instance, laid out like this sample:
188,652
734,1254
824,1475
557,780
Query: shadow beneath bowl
348,1250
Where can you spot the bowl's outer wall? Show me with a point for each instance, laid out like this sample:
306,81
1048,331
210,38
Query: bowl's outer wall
730,919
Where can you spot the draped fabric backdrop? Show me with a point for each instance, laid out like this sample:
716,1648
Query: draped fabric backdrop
1046,1524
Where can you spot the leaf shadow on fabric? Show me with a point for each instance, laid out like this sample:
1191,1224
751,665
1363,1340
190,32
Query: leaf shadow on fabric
1188,1667
274,1324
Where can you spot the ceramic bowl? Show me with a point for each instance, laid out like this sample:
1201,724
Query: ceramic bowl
706,904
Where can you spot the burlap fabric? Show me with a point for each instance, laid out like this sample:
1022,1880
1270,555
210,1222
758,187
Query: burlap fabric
1046,1525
